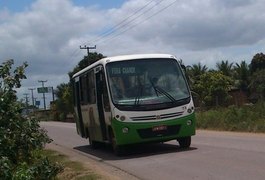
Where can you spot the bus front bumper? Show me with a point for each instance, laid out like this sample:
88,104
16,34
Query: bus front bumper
142,132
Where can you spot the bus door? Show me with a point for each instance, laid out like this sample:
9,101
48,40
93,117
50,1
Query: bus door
99,91
79,122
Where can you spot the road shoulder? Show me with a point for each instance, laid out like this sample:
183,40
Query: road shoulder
105,171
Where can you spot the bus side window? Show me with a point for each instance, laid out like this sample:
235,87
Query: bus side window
83,88
75,88
91,88
81,91
106,103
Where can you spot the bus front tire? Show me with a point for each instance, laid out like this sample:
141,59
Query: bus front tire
184,142
117,149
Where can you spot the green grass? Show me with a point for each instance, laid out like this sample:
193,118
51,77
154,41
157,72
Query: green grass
72,169
249,118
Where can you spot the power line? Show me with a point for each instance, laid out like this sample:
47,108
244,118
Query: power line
121,24
134,25
112,33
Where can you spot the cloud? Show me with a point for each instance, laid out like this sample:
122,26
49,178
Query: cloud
49,32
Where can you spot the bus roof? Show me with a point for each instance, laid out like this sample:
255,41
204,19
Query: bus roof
122,58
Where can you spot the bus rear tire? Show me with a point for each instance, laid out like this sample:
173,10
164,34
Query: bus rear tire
93,144
184,142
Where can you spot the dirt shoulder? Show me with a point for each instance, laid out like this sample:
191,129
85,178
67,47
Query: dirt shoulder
105,171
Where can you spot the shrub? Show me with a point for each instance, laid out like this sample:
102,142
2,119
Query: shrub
20,137
246,118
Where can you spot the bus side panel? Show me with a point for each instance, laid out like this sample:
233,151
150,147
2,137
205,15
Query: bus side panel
141,132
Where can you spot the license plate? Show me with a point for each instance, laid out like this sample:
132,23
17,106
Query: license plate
159,128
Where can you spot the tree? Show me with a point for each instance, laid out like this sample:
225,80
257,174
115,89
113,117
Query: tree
242,75
257,62
86,61
196,70
64,103
213,88
225,67
257,85
20,137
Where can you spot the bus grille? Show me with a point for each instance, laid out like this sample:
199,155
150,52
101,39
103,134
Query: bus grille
149,133
157,117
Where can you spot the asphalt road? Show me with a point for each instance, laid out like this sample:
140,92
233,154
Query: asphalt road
212,155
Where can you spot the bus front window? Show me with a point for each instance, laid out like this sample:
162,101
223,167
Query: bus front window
142,83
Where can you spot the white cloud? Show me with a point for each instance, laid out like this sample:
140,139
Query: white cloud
48,34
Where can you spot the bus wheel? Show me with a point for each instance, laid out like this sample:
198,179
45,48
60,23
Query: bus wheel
93,144
117,149
184,142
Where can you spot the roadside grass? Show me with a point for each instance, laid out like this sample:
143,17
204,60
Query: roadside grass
72,170
248,118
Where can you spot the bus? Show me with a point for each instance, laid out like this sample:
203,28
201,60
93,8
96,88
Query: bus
133,99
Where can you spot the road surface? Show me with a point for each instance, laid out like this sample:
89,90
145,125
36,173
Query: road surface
212,155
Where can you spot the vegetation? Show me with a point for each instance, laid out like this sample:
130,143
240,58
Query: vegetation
72,169
247,118
64,102
211,89
21,138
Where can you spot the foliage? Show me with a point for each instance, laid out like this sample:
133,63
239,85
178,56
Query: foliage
213,88
257,84
20,137
248,118
242,75
225,67
195,71
86,61
64,102
75,169
257,62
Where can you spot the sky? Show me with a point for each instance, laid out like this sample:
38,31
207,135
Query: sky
48,33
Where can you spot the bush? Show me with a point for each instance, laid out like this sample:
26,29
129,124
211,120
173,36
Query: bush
249,118
20,137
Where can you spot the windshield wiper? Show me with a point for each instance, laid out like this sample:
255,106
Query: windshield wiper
162,91
139,94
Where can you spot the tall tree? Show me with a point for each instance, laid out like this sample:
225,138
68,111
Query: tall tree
86,61
242,74
257,62
225,67
196,70
64,102
257,85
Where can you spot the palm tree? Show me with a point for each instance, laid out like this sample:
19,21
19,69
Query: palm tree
225,67
242,74
196,70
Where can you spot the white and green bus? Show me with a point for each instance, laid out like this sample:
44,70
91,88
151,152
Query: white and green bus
132,99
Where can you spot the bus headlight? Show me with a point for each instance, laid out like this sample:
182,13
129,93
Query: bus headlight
125,130
189,122
189,110
122,118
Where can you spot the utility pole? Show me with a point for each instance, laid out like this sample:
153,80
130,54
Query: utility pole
42,82
88,48
27,100
32,97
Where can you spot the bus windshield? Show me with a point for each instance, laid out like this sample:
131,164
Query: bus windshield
146,84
